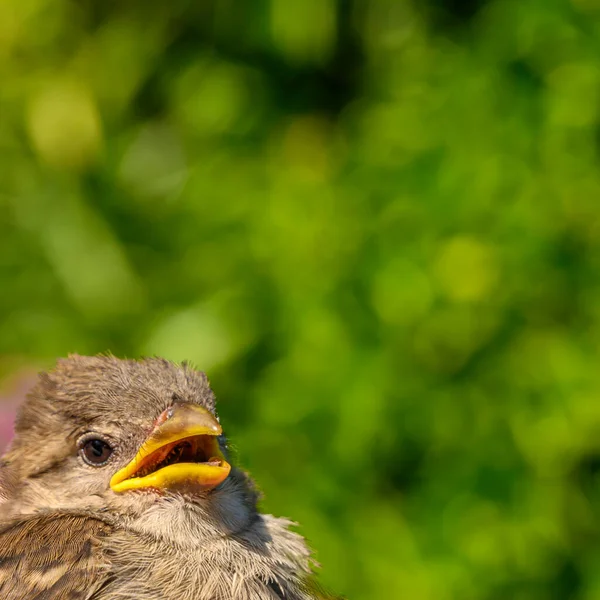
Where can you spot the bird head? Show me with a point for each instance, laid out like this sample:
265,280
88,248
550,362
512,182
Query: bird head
122,436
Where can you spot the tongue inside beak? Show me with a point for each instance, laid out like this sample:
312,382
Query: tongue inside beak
182,452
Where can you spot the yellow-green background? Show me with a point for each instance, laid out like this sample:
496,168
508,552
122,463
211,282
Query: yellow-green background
375,223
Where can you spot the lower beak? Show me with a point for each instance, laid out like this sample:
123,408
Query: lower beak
181,452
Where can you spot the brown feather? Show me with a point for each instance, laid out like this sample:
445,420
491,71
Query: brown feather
52,557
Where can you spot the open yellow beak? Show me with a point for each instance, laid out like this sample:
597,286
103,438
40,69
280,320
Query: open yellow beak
182,452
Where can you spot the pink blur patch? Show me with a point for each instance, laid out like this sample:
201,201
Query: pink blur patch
13,392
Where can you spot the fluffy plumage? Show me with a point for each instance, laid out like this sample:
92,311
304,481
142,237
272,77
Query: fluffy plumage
64,533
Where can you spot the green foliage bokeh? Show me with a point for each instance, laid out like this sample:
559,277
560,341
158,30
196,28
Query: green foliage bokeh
376,225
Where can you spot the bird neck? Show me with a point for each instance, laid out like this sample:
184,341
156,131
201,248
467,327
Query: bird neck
264,560
190,525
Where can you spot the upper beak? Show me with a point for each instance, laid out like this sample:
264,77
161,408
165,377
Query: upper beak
181,451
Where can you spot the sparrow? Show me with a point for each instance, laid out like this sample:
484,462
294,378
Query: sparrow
119,484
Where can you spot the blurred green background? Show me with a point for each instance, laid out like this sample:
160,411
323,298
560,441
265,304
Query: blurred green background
376,225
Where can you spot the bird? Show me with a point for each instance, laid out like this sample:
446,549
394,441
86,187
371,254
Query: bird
119,484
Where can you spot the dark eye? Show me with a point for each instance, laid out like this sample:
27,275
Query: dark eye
95,452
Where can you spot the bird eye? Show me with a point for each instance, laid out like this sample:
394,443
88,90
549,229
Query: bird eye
95,452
